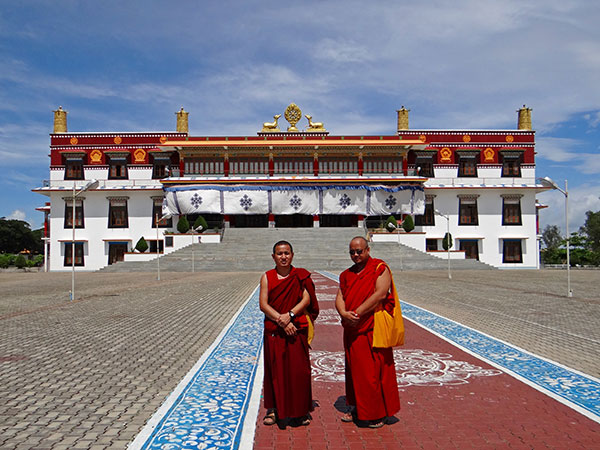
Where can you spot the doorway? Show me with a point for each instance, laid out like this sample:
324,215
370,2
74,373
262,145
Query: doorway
116,252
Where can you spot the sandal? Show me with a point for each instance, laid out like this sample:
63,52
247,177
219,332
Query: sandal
270,418
305,421
347,418
376,423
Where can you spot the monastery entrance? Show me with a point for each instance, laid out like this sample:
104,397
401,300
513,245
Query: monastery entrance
116,252
249,221
293,221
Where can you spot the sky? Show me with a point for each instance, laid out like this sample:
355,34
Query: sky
462,64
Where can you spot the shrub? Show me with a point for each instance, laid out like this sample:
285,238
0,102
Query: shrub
38,260
447,241
183,226
408,224
141,245
4,260
391,224
20,261
200,222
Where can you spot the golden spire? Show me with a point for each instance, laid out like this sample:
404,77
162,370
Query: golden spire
403,118
182,121
524,122
60,120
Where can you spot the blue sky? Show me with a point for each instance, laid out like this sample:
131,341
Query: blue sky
128,66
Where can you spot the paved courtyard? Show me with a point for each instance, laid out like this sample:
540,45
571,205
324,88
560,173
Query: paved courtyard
90,373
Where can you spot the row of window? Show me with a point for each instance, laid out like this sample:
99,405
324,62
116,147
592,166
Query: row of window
116,251
512,251
117,168
118,216
467,212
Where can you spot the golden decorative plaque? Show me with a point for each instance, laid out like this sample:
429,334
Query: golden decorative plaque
422,138
74,141
489,153
117,140
466,138
446,154
163,139
510,138
293,114
96,156
139,155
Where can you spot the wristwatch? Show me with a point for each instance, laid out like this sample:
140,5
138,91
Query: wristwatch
292,315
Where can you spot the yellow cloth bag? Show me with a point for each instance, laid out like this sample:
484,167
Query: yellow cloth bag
388,331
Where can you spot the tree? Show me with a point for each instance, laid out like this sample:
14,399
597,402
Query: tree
183,225
591,230
447,241
391,224
141,245
408,224
200,221
551,237
15,235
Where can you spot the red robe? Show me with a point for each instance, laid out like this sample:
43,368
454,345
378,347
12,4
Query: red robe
371,384
287,382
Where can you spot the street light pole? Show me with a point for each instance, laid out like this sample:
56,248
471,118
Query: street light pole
549,182
447,239
198,228
89,185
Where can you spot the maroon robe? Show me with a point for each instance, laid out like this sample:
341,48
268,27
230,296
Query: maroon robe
371,384
287,382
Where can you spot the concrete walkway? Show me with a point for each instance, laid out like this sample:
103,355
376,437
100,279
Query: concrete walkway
91,373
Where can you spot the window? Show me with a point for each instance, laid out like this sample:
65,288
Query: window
169,241
467,165
428,218
117,213
157,213
376,164
424,165
511,164
74,168
293,165
78,213
152,244
511,251
431,245
204,166
330,164
470,247
78,254
511,211
160,166
468,211
117,167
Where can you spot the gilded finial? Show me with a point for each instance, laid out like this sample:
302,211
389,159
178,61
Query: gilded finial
293,114
524,121
182,121
60,120
403,118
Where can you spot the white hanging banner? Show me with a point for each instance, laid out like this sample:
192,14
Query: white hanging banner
246,202
196,201
407,201
344,201
301,201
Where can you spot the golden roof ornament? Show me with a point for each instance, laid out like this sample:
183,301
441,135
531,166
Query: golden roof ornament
314,126
271,127
293,114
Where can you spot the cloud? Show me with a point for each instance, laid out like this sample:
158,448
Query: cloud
581,199
17,214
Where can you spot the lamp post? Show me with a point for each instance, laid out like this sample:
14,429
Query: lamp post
92,184
549,182
165,216
193,230
391,227
448,238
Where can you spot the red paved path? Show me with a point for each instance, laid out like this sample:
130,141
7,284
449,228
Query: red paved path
487,412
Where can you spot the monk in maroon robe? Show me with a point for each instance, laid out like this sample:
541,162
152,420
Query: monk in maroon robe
371,386
287,297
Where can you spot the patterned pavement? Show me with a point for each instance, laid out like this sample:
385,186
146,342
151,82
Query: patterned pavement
91,373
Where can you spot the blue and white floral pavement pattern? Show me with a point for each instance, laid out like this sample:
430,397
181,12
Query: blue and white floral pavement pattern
576,388
210,411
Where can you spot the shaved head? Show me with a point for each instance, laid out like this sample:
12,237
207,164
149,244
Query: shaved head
360,239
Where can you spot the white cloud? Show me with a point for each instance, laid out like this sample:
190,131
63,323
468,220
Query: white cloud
581,199
17,214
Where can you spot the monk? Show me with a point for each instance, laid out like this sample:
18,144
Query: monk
287,298
371,386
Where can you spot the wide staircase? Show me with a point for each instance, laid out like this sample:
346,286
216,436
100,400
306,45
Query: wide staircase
249,249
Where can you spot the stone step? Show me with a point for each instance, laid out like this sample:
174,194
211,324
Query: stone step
249,249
